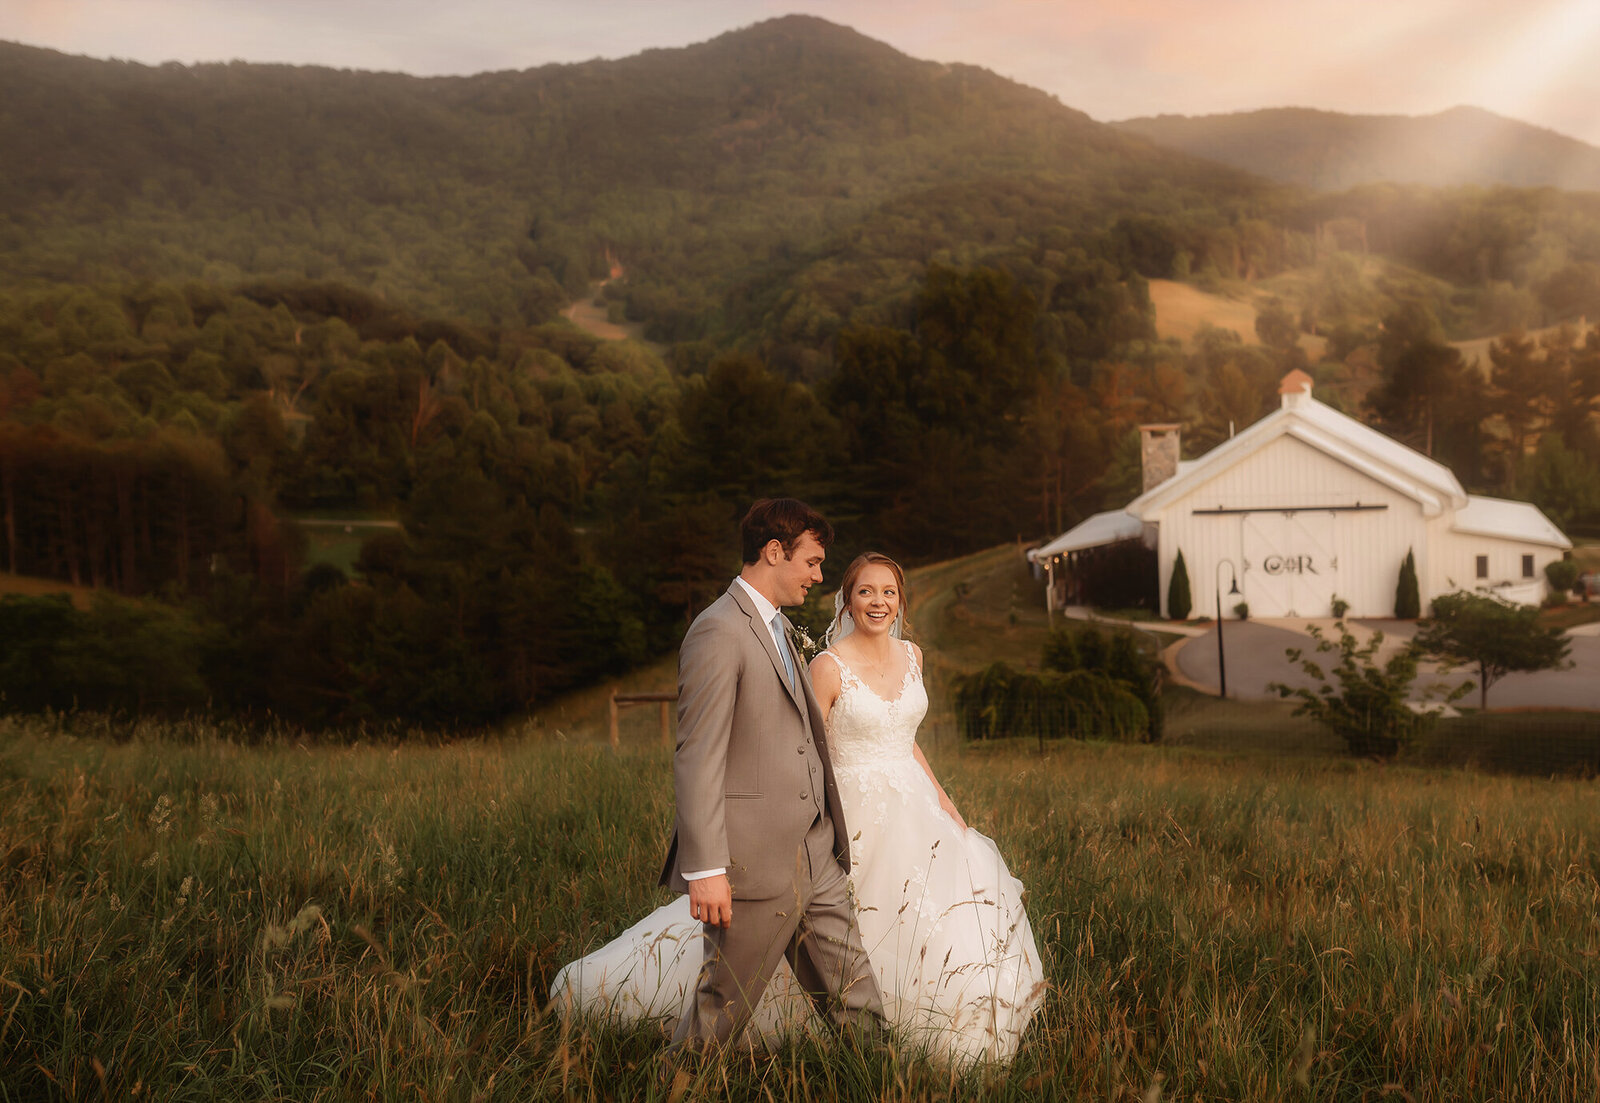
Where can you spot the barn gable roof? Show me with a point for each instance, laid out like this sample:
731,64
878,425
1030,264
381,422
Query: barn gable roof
1432,484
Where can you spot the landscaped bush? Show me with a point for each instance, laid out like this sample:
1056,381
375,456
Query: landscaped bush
1116,655
1000,701
1407,597
1563,576
1179,601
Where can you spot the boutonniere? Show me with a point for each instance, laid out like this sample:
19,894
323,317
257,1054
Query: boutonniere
809,648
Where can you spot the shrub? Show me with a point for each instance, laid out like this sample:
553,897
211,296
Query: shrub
1179,602
1407,599
1114,654
1340,607
1242,610
1563,575
999,701
1369,708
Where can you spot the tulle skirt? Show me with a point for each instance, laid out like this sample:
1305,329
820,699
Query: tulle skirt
941,918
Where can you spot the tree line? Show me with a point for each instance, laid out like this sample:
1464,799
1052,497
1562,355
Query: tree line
565,505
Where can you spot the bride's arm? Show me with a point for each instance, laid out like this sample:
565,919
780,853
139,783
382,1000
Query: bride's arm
945,802
825,683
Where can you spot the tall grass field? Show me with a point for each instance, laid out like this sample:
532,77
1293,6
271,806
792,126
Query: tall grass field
188,916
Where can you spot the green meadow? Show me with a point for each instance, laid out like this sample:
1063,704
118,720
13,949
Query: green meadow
188,912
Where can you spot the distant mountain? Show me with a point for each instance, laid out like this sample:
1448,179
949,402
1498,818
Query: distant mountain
708,173
1331,152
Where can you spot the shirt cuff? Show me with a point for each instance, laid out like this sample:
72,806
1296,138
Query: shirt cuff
704,873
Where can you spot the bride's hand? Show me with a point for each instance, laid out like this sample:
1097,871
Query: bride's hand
950,810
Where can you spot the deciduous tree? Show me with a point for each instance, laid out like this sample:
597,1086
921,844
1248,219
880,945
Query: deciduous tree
1494,635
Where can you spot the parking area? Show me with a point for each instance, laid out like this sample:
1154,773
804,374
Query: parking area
1255,655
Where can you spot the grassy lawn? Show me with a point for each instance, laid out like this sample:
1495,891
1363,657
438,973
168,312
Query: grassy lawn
335,536
1540,743
1570,616
28,586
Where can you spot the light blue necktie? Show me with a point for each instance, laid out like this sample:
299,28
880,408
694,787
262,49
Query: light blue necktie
778,630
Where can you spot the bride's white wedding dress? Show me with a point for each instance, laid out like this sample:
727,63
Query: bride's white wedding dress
941,917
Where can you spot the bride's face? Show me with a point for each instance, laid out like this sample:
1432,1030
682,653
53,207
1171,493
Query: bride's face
874,599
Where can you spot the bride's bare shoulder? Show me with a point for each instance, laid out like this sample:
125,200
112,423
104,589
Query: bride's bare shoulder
825,678
824,665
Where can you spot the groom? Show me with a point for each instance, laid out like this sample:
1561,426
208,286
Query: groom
760,843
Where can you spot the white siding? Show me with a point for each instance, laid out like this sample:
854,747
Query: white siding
1293,560
1456,566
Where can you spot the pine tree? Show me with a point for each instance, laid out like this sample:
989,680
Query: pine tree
1179,602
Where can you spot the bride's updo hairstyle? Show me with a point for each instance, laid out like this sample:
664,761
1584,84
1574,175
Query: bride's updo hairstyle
843,623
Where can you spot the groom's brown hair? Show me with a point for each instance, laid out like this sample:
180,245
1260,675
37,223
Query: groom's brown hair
785,520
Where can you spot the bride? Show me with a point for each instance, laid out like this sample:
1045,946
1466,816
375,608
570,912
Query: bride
940,915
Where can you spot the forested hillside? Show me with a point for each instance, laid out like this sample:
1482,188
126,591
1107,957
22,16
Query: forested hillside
491,197
913,294
1461,147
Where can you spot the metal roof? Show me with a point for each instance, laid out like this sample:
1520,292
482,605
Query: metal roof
1103,528
1508,520
1426,480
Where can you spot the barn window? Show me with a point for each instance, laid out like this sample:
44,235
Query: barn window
1527,566
1483,566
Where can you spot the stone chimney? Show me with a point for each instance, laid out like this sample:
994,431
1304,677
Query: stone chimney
1158,453
1295,388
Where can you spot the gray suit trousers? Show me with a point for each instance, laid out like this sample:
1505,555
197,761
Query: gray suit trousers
814,930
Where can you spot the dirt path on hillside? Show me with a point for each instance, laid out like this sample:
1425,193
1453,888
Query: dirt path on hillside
592,319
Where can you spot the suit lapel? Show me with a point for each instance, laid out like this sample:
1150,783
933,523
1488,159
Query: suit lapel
764,635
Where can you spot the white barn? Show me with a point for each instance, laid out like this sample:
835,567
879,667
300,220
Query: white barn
1307,505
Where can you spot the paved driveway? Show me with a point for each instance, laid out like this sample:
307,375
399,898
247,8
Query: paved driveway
1255,654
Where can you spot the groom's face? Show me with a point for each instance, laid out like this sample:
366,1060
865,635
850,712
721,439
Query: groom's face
801,571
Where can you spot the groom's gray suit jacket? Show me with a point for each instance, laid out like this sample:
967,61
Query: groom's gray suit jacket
751,769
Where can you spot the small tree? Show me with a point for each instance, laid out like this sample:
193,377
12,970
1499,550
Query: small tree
1179,603
1497,636
1407,598
1369,709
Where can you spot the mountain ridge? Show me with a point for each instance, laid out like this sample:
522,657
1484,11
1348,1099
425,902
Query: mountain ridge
707,169
1333,151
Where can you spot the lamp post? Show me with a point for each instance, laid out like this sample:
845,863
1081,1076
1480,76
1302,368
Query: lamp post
1222,659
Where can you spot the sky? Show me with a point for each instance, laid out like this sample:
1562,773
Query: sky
1114,59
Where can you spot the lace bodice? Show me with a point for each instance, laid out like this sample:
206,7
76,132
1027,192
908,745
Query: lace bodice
864,728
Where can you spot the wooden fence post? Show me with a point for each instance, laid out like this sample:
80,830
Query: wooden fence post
620,701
